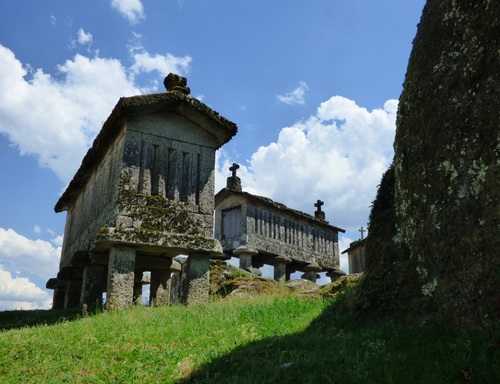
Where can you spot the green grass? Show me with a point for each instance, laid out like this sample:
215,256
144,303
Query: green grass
263,340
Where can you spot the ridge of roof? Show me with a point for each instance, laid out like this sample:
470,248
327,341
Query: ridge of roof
355,244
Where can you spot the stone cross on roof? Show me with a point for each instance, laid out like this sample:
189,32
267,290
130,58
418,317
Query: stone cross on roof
318,205
319,214
362,230
233,169
233,181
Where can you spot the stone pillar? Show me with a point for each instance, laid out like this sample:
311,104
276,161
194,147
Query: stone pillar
59,287
175,282
245,255
245,261
93,281
58,300
311,272
280,263
138,281
73,292
121,277
160,287
197,276
335,274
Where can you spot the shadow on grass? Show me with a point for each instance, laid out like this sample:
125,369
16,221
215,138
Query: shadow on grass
342,348
21,319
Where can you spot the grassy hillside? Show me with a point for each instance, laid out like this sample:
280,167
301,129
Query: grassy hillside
267,339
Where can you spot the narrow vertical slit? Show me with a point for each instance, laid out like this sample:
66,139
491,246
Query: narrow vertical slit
285,230
172,173
155,176
197,184
167,171
261,223
108,175
140,187
185,176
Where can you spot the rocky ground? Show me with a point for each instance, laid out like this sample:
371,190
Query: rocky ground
227,280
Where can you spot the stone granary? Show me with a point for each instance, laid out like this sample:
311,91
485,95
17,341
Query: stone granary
261,231
144,194
356,256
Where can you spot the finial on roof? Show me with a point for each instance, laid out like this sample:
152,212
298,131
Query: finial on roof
234,168
176,83
362,230
233,181
319,214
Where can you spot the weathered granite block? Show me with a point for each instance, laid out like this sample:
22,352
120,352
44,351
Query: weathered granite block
197,277
93,284
160,287
121,277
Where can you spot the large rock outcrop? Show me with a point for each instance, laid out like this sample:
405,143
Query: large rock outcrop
388,285
447,162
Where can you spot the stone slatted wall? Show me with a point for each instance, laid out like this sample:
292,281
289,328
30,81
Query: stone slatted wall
283,229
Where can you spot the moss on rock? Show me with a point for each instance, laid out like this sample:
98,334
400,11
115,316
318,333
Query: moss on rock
156,213
387,286
447,189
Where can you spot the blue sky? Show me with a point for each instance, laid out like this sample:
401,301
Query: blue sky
312,86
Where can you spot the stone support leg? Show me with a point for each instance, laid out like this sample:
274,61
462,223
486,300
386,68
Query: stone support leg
175,282
121,277
245,261
310,275
197,276
280,272
58,300
280,263
137,299
175,288
73,292
245,255
311,272
93,282
160,287
335,274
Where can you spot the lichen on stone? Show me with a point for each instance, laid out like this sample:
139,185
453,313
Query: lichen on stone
429,288
156,213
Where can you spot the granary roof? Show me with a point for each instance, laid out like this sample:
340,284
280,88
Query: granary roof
267,202
176,101
355,244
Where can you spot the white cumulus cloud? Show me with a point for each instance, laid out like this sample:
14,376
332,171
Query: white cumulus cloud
31,260
145,62
337,155
296,96
35,257
37,230
19,289
56,118
132,10
58,240
84,37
